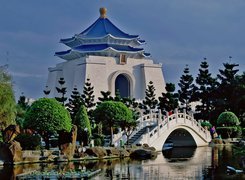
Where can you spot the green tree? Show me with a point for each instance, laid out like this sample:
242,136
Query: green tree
150,102
206,124
133,105
106,96
169,100
22,102
111,113
46,91
128,126
83,125
238,98
21,108
47,116
186,89
206,85
20,115
7,100
227,84
61,90
228,123
88,99
88,95
74,104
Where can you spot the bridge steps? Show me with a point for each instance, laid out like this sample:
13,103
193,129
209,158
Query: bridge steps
139,134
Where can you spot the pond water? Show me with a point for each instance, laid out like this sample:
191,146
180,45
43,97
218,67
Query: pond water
179,163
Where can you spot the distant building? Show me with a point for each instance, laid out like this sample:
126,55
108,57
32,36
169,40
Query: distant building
111,59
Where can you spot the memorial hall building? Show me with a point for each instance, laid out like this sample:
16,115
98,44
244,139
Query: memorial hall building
112,59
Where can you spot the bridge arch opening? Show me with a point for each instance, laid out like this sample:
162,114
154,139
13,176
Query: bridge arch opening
181,138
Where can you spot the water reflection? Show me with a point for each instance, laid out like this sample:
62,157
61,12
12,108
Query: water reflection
179,153
180,163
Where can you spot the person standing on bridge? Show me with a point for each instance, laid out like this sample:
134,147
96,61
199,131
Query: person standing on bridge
213,132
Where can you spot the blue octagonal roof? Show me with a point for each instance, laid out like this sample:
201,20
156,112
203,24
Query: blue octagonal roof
102,27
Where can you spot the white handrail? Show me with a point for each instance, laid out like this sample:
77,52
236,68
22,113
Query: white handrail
164,122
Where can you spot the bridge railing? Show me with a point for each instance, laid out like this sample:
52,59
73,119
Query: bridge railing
143,121
177,118
163,122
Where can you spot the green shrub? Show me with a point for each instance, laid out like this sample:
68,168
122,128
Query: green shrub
243,132
227,119
28,141
207,124
97,142
229,132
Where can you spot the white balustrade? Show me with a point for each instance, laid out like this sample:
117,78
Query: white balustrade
162,124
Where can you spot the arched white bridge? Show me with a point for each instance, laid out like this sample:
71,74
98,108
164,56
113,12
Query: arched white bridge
154,129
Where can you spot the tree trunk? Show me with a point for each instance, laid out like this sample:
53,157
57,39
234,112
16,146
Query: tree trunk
127,139
46,140
111,136
100,128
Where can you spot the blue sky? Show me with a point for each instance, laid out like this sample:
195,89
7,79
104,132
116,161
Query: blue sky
177,32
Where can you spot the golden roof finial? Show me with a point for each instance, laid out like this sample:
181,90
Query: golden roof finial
103,12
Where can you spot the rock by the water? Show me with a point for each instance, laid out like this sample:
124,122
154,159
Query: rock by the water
10,133
11,152
121,152
143,154
96,152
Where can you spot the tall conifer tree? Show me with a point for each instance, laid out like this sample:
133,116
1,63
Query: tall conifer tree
169,100
106,96
150,102
61,90
88,94
205,87
226,87
74,104
186,89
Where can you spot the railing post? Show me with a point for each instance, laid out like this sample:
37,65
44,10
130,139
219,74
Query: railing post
141,119
192,119
184,111
159,120
167,120
148,134
176,115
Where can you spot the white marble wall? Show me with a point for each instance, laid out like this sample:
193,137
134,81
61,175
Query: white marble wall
102,72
